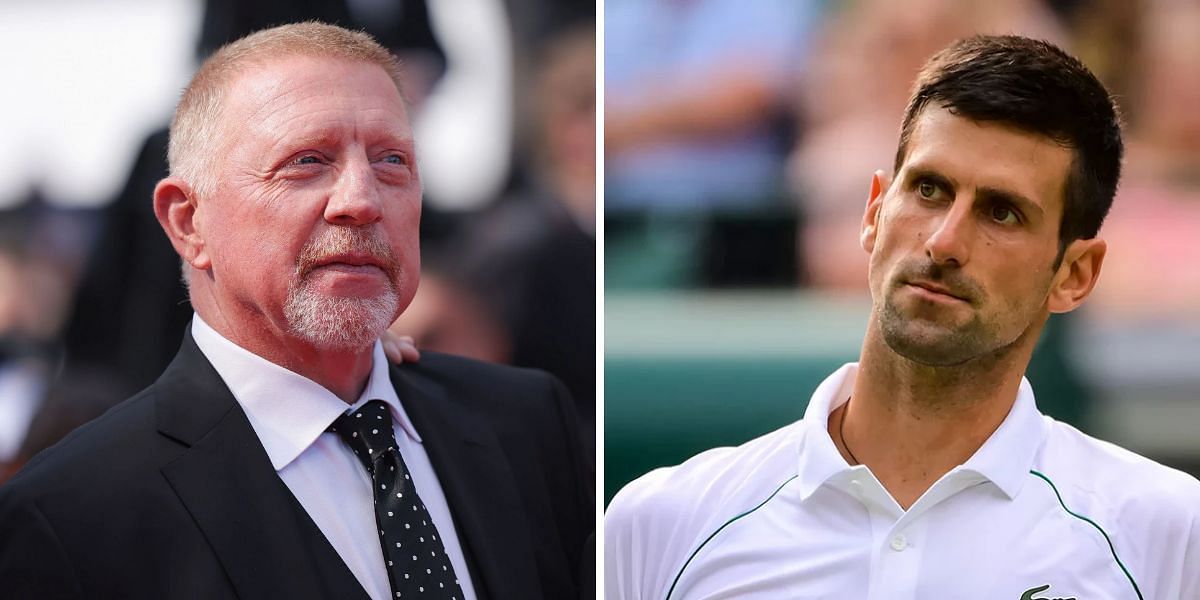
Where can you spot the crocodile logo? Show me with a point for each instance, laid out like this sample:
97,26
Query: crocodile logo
1029,593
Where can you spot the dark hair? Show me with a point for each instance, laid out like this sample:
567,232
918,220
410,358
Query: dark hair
1034,86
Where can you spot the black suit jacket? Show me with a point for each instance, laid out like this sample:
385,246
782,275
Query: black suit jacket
171,494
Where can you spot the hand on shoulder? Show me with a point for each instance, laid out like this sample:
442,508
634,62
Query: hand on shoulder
399,348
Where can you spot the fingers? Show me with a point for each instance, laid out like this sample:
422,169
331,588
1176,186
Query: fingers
399,348
408,349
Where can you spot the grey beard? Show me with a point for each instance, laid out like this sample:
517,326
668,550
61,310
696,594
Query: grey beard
338,323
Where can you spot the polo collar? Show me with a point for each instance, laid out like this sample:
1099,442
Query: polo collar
1007,456
820,459
287,410
1004,459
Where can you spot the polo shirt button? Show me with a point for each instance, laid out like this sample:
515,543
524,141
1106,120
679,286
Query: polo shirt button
899,542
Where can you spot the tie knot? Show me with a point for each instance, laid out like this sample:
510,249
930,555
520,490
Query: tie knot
368,431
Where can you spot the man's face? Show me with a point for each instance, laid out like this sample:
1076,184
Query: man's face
312,227
963,241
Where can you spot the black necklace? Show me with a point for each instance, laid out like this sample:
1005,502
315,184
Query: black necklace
842,431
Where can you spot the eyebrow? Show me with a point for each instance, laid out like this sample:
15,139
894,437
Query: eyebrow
1025,205
987,193
314,139
323,138
915,174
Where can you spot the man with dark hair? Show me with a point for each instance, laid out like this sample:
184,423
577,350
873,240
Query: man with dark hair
925,470
1037,87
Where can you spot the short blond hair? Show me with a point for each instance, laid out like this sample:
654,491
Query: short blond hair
195,134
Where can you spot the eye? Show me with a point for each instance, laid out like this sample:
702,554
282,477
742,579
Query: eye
394,159
927,189
1004,215
307,159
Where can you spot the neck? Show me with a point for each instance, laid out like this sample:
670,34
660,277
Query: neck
913,423
343,372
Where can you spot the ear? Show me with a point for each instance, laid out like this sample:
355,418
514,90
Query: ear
1076,275
176,207
870,222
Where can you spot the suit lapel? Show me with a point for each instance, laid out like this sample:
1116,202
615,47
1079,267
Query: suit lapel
266,542
479,487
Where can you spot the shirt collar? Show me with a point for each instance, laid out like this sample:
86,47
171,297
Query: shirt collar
287,410
1004,459
820,460
1007,456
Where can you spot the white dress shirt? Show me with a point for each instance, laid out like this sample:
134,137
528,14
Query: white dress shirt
22,385
290,414
1039,511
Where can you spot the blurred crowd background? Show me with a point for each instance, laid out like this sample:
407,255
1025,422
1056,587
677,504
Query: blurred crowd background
739,142
502,97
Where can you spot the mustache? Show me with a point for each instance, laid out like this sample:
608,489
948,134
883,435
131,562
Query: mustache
952,278
336,241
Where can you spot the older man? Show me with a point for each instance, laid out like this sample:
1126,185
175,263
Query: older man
925,469
279,456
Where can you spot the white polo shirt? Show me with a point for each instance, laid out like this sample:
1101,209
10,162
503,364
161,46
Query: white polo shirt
1040,511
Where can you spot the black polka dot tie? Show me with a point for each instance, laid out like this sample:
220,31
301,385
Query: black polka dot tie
417,564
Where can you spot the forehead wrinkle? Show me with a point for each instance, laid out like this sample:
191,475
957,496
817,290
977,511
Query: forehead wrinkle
325,137
312,131
379,125
273,90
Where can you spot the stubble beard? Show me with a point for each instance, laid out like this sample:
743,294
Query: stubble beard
936,342
340,323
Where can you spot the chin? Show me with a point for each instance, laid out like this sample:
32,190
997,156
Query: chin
340,324
931,354
932,344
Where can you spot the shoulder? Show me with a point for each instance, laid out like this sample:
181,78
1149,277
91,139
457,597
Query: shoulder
529,411
1149,512
110,465
121,438
524,422
115,460
655,521
468,375
509,397
712,478
1106,474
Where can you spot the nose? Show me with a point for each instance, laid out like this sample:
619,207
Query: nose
950,242
355,199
